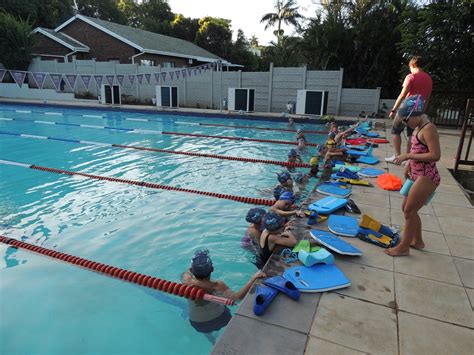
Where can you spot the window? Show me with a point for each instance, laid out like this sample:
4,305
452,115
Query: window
147,62
168,64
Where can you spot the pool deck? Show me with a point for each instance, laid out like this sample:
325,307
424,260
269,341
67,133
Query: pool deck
421,304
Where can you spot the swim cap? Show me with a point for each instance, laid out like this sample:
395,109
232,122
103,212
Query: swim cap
293,153
277,191
299,130
330,142
298,177
287,196
273,221
283,177
412,106
255,215
314,161
201,264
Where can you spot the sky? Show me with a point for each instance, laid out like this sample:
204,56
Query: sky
245,14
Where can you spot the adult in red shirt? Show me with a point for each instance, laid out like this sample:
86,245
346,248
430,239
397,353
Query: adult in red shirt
417,82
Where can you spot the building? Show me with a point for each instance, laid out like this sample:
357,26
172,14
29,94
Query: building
85,37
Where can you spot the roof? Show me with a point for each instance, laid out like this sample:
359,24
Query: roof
63,39
145,41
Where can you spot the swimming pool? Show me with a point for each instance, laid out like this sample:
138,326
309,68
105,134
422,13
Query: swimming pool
48,306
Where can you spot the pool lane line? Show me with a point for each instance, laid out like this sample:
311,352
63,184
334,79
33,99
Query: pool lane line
165,151
263,128
151,185
147,131
181,290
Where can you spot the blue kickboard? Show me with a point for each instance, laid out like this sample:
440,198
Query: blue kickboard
317,278
368,160
370,172
352,168
372,134
358,153
334,243
343,225
333,190
327,205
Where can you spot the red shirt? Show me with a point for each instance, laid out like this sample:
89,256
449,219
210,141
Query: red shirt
418,83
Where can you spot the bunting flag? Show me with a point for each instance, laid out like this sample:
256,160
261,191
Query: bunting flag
131,78
183,73
120,79
140,78
56,79
190,72
2,74
71,79
148,77
200,69
110,79
177,74
39,79
163,77
98,80
157,78
18,76
86,79
195,71
171,75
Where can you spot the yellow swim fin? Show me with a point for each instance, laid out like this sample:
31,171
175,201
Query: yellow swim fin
355,182
370,223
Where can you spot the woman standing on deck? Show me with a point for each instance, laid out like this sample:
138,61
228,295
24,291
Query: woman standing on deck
421,169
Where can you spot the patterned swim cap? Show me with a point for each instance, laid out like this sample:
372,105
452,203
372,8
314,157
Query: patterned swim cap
287,196
298,177
412,106
255,215
273,221
201,264
283,177
293,153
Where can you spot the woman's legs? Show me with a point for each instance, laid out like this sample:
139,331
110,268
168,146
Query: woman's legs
419,193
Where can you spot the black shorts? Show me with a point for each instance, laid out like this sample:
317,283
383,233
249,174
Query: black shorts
213,324
399,126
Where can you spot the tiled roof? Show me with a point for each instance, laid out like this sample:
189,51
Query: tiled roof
61,37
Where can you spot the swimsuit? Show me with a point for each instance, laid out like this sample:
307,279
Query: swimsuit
422,168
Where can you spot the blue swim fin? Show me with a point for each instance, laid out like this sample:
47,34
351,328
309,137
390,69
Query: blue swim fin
263,297
283,285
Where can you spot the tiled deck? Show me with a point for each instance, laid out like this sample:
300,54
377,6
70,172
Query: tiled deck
422,304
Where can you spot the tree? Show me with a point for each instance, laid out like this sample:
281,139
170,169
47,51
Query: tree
286,12
284,54
184,27
102,9
16,42
156,16
214,34
240,53
131,11
42,13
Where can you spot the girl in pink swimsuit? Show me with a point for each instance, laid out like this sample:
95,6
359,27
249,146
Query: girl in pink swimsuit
424,153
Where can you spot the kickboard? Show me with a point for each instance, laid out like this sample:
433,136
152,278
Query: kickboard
352,168
343,225
372,134
368,160
358,153
378,140
370,172
333,190
334,243
328,205
317,278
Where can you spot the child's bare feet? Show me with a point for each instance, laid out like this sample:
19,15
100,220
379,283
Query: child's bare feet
418,245
397,251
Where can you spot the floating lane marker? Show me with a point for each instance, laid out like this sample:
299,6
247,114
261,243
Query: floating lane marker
23,111
137,119
151,185
53,113
93,116
202,155
6,119
262,128
44,122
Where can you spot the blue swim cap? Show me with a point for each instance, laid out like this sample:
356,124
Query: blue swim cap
412,106
293,153
201,264
298,177
255,215
273,221
277,191
299,130
283,177
287,196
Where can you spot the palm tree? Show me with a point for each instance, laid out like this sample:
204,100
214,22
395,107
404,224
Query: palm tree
286,12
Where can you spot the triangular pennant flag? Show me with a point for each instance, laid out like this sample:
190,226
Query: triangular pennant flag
157,78
148,77
200,70
2,74
213,65
18,76
56,79
131,78
171,75
71,79
195,71
120,79
140,78
163,76
98,80
177,74
190,72
183,72
110,79
39,79
86,79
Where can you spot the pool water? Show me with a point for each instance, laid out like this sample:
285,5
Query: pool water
48,306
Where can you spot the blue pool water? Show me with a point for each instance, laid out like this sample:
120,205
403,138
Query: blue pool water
48,306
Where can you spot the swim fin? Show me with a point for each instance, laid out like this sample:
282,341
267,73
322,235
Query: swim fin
283,285
301,245
374,237
355,182
263,297
320,218
352,207
372,223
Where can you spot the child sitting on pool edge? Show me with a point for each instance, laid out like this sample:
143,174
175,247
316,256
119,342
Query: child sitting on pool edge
204,316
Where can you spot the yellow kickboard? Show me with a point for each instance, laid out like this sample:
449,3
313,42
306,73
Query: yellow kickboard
370,223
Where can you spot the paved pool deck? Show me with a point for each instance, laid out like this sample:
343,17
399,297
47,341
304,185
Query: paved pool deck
421,304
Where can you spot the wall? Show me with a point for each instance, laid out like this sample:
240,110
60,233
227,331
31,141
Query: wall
273,89
13,91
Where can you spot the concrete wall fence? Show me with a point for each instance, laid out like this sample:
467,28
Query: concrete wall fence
273,89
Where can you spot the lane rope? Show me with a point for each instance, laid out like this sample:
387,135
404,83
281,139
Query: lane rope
262,128
242,199
166,151
189,292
